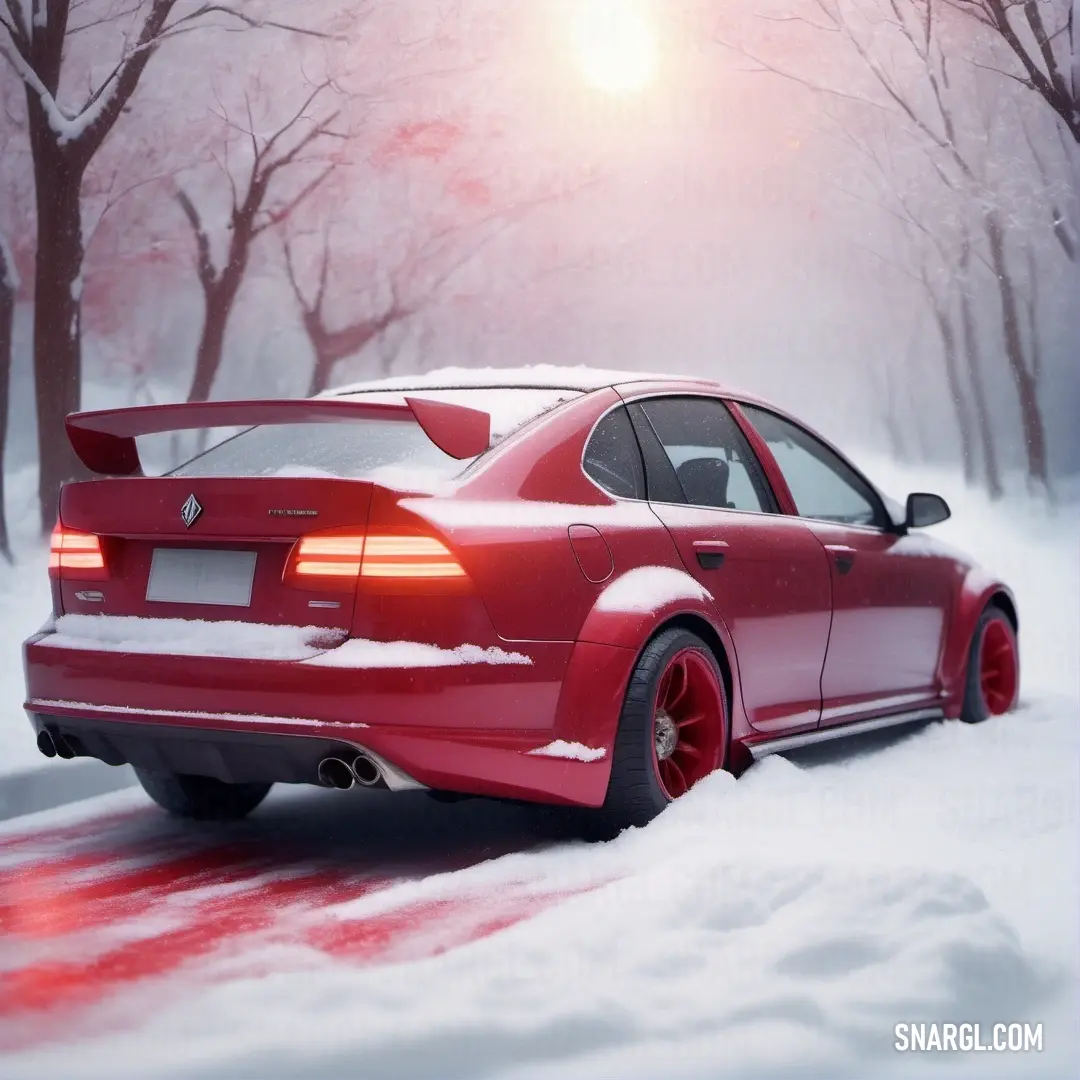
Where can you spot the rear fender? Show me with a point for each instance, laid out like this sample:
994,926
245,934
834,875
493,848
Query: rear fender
633,606
977,590
590,702
628,612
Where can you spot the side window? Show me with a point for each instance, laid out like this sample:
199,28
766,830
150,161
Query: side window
711,458
822,484
613,459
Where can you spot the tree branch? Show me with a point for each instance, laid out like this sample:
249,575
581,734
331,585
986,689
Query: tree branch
17,28
276,217
205,265
248,21
1046,48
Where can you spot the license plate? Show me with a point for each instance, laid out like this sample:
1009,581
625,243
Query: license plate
194,576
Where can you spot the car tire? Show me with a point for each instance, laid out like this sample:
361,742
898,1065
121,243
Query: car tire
992,686
676,692
202,798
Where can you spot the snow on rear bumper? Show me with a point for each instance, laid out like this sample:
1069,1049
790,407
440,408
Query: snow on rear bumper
233,640
359,683
465,727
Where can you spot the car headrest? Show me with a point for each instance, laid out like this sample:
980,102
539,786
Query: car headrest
705,480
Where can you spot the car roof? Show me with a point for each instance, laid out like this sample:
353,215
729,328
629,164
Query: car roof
538,377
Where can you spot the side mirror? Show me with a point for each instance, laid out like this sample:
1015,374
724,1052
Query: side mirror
924,509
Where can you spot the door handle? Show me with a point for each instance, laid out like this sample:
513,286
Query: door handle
710,553
843,556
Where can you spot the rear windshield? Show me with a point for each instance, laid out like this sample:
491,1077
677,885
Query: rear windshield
356,450
388,452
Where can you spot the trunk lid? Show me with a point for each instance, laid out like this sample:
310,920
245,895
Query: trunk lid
205,547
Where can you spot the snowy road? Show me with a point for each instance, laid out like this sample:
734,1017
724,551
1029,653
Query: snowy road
793,916
785,921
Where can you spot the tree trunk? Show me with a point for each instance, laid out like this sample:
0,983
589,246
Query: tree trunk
220,295
983,420
57,296
1027,389
321,371
956,392
1074,36
890,413
211,344
892,430
7,318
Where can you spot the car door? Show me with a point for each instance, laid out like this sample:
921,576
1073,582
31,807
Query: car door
890,599
767,573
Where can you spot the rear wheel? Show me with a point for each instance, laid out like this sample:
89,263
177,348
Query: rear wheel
673,729
993,675
202,798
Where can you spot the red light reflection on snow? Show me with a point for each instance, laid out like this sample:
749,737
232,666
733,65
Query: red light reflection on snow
78,926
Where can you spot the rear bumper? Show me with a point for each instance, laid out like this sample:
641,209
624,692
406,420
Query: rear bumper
467,728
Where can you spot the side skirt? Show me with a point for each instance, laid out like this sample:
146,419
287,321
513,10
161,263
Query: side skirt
840,731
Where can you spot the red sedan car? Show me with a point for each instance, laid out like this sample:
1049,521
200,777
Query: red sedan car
589,588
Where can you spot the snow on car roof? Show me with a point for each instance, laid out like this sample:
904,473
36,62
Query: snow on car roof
510,407
538,376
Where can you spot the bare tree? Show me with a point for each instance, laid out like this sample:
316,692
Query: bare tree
397,285
1041,35
965,427
254,209
64,140
890,411
1063,196
943,276
912,81
1023,368
9,285
331,346
976,378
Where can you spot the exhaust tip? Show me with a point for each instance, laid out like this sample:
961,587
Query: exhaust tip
366,771
65,748
45,743
335,773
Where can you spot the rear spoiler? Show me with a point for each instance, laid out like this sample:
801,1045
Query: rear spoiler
105,441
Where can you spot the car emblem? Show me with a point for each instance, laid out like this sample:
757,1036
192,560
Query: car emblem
190,511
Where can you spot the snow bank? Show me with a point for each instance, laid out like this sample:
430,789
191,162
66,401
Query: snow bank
779,924
570,751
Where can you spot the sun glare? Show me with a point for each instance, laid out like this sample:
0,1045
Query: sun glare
617,45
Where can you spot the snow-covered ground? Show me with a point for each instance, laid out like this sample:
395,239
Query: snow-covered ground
781,923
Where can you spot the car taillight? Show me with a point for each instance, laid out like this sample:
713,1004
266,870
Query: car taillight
404,556
337,559
326,560
78,555
319,556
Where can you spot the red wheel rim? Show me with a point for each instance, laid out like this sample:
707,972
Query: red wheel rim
997,667
688,722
